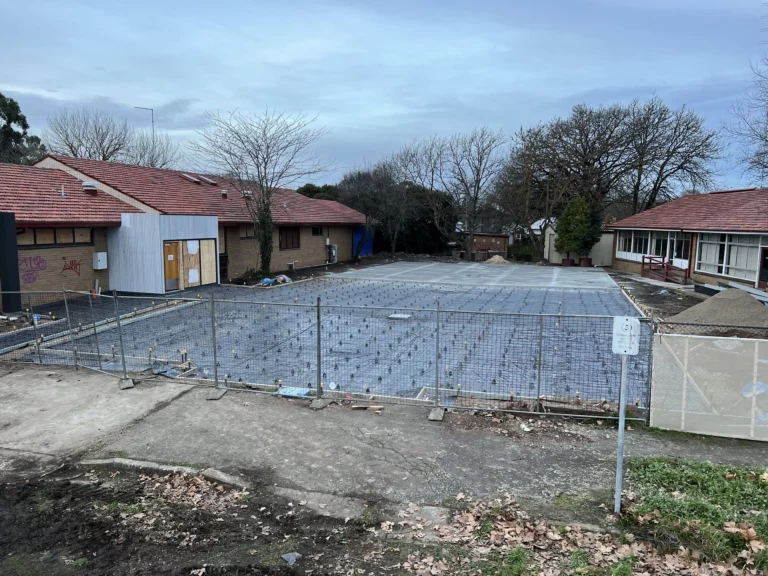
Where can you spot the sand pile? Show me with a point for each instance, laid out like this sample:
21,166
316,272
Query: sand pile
497,260
732,307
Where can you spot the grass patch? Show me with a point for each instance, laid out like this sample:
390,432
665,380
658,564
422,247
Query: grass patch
119,507
688,503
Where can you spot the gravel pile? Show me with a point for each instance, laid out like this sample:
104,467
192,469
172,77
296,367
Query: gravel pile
732,307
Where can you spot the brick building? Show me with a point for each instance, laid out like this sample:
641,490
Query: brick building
159,230
59,226
700,237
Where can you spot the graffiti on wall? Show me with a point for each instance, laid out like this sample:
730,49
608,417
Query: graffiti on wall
29,266
73,265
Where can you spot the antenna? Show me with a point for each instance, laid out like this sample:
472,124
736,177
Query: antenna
152,110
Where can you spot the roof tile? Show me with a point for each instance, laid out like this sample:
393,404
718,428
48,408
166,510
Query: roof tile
169,192
744,210
35,196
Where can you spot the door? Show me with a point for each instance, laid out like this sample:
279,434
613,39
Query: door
763,268
171,259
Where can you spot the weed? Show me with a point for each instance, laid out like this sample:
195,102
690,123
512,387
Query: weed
687,503
119,508
579,560
370,517
80,562
623,567
486,527
516,563
761,561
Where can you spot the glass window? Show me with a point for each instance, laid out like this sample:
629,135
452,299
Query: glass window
659,243
317,231
682,248
640,243
733,255
246,231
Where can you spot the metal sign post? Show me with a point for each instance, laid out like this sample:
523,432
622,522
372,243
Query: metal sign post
626,342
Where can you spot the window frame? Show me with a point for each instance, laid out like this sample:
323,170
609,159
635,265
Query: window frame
319,230
723,245
283,237
54,244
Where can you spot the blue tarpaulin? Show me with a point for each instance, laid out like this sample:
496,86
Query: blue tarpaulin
357,234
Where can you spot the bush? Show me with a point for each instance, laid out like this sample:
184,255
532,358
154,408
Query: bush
578,228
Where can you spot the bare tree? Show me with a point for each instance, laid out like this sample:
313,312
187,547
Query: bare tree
423,162
749,126
669,150
591,146
155,151
260,154
87,133
472,163
531,188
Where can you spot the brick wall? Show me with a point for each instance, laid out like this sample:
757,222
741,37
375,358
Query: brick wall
243,253
58,267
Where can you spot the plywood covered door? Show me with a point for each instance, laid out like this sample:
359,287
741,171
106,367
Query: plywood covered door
191,250
208,261
171,259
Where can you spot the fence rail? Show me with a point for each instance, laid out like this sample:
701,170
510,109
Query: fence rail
546,363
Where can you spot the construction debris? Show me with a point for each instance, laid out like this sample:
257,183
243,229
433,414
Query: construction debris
497,260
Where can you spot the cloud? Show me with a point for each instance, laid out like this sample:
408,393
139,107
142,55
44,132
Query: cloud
378,74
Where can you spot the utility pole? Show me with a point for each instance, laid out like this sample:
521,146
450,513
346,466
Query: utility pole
152,110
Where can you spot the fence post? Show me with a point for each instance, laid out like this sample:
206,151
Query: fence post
319,383
34,328
538,370
213,341
649,384
754,389
685,386
95,334
69,323
437,355
120,336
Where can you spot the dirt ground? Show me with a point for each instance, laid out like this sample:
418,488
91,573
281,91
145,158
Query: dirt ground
663,301
59,519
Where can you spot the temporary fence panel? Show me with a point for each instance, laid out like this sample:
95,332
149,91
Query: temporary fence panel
714,385
544,363
463,359
378,354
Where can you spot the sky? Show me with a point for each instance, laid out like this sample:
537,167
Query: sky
378,74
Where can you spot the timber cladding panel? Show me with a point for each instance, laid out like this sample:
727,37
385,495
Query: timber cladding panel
63,267
243,253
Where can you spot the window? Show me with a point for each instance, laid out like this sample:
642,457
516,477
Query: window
26,237
246,231
640,242
682,246
317,231
659,243
733,255
289,238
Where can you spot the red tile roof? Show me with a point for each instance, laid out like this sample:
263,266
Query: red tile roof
170,193
34,194
744,210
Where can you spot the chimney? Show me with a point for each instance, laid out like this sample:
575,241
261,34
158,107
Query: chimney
224,194
90,188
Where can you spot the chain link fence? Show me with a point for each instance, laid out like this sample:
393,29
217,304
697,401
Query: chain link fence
539,363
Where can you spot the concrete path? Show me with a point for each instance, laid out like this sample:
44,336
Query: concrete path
46,414
398,455
491,275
